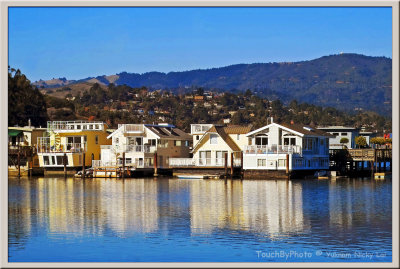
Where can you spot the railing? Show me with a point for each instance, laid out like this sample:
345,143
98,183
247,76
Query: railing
135,148
69,147
131,128
75,125
273,149
200,128
202,162
139,164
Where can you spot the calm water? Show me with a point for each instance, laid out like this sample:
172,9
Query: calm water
175,220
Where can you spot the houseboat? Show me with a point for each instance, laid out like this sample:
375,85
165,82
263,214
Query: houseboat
139,144
279,150
213,149
79,140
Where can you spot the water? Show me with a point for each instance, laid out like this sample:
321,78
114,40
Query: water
175,220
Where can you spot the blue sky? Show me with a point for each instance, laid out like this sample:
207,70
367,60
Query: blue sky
81,42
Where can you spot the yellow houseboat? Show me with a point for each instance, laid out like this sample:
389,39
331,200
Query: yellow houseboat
75,139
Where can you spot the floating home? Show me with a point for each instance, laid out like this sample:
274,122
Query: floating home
79,141
139,144
212,143
22,141
282,149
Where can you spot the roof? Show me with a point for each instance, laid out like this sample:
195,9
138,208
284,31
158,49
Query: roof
12,132
296,128
224,135
237,129
300,128
337,128
164,131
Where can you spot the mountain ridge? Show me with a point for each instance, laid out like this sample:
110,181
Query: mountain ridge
342,81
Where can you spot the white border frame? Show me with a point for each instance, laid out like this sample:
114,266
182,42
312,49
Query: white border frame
224,3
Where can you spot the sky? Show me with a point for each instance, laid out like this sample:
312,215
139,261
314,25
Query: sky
76,43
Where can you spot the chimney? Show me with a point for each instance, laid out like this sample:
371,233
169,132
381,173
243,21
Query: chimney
29,123
272,120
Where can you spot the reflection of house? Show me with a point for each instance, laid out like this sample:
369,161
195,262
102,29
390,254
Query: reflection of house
272,208
273,145
339,132
71,138
211,147
140,142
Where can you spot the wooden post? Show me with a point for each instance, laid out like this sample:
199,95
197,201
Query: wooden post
19,161
241,164
30,167
287,164
123,164
65,164
226,164
83,165
231,164
155,165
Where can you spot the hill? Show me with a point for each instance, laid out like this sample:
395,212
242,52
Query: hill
344,81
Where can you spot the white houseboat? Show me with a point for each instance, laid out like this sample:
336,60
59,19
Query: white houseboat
285,148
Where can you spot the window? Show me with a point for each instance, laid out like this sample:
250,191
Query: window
197,137
152,142
289,141
53,160
187,143
308,143
116,140
91,127
261,162
84,127
96,138
96,126
177,143
345,134
78,127
282,163
213,139
238,137
46,160
92,156
336,134
262,141
128,160
60,160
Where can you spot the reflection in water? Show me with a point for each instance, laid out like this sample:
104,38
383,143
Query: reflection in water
265,207
147,213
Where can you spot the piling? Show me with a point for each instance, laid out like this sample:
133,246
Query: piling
123,164
241,164
155,164
226,164
287,164
231,164
83,165
65,164
19,161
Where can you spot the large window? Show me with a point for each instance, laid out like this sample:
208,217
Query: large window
261,140
213,139
308,143
178,143
289,141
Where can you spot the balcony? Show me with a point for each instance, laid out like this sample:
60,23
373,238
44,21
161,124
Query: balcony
131,128
113,164
44,146
75,126
273,149
199,128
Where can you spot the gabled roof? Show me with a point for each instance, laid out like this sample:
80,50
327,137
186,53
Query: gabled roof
223,134
168,132
298,129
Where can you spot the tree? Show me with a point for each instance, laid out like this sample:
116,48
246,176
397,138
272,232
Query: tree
24,101
361,141
344,140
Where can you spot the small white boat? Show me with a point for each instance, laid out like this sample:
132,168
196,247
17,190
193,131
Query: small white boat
191,176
